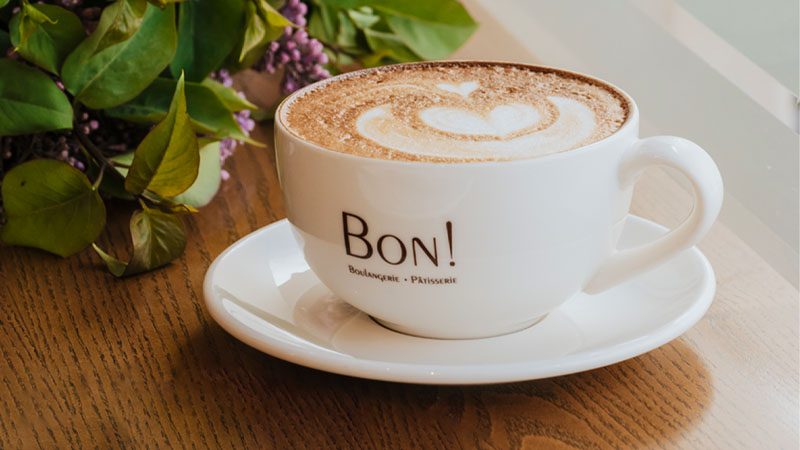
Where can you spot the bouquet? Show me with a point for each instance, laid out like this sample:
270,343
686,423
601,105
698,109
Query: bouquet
133,100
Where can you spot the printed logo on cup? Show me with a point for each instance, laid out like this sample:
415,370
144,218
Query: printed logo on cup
392,250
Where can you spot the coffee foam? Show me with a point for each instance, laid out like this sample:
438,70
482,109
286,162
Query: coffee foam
455,112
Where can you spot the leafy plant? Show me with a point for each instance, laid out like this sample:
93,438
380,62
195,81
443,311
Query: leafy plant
376,32
133,99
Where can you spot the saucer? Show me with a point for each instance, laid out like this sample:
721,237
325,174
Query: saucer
263,293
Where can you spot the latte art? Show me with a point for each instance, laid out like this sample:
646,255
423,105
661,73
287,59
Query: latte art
501,121
451,112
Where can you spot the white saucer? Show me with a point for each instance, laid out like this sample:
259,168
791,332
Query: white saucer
263,293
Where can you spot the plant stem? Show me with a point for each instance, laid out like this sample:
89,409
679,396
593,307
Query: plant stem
95,152
22,157
337,49
99,179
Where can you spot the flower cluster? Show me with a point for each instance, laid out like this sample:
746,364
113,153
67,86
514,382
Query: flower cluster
63,158
113,135
300,55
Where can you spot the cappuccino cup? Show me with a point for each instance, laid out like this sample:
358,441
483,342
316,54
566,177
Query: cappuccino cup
466,199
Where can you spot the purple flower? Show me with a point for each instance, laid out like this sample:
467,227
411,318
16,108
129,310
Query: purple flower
228,145
300,55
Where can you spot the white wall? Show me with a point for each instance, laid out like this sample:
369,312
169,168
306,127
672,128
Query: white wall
765,31
719,99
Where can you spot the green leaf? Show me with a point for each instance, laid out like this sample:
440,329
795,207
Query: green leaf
449,12
115,266
348,32
48,44
110,185
263,115
37,15
387,45
206,36
168,205
209,114
119,21
273,18
166,161
163,3
376,59
430,40
124,158
254,32
199,193
52,206
344,4
157,238
228,96
5,41
208,180
30,102
395,29
3,3
120,72
363,17
432,30
323,23
264,24
29,18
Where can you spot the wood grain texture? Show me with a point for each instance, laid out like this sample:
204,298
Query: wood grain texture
89,361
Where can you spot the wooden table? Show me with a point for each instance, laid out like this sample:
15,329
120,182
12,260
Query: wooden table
90,361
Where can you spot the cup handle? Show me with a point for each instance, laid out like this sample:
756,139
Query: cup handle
694,163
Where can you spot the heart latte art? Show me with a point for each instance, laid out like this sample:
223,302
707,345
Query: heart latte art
455,112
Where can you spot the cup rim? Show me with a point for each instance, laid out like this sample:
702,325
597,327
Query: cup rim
630,121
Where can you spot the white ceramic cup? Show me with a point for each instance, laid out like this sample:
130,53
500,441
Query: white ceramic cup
470,250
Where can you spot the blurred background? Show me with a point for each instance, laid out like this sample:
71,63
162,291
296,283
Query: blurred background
722,73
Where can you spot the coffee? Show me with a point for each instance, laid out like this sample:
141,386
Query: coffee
471,250
455,112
